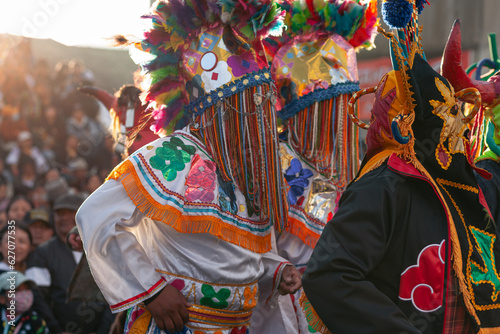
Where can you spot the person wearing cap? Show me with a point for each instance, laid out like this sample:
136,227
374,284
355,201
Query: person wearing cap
39,224
16,300
52,265
78,170
25,146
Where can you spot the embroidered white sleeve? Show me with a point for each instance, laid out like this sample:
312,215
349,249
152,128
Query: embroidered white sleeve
41,276
112,231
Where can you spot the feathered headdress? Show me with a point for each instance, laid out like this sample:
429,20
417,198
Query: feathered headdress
204,64
180,46
314,66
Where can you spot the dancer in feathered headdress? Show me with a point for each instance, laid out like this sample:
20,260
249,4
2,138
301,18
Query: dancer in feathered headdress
411,248
180,234
314,66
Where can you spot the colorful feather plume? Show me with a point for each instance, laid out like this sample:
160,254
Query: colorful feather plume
354,20
174,24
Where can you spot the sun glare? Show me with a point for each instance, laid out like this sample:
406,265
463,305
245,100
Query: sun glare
73,22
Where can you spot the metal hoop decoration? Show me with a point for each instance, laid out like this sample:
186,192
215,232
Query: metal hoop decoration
477,103
352,101
395,130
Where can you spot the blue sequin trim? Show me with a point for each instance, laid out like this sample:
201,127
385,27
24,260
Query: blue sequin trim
205,101
316,96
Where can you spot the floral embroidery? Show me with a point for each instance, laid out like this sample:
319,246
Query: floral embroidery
172,157
178,283
227,198
132,315
250,297
201,180
209,294
297,178
242,330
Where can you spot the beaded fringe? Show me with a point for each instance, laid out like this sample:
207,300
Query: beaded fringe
240,132
324,136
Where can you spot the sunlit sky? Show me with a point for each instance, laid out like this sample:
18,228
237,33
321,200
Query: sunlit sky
73,22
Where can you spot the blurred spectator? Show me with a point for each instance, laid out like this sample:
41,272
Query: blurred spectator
94,181
12,123
17,208
18,93
43,96
6,176
77,174
3,218
55,185
38,221
25,180
52,133
4,197
25,146
21,318
80,75
104,157
88,132
71,150
62,81
42,71
39,196
15,246
52,265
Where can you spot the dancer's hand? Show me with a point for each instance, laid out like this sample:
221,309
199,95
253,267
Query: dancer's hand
291,280
75,242
169,309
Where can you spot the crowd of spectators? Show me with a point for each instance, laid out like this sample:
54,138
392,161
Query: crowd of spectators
51,146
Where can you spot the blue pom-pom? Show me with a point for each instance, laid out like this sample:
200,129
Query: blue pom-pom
420,5
397,13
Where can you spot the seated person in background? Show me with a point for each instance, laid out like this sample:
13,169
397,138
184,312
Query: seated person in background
4,192
21,318
15,247
51,267
25,146
40,226
26,180
55,185
17,208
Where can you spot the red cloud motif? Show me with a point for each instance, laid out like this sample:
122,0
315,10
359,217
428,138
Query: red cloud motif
423,283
